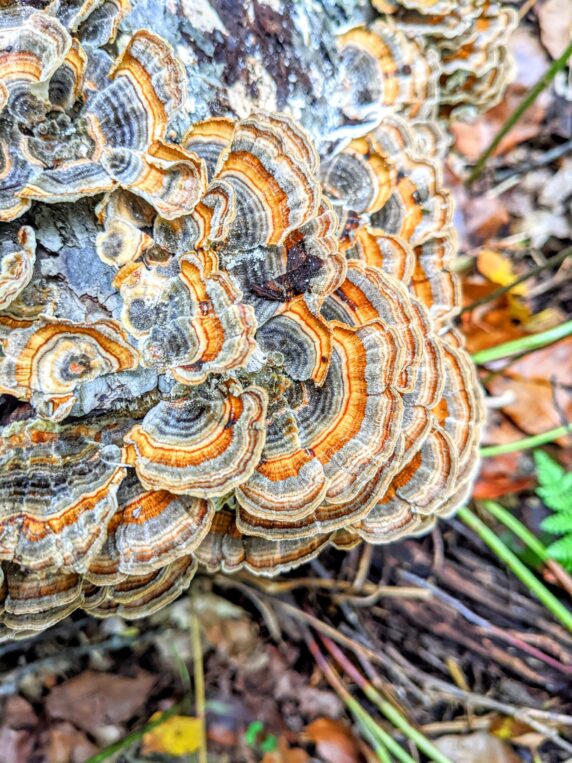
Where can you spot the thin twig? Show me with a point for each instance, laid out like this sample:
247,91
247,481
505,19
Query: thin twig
525,8
386,708
522,107
364,718
551,263
547,158
275,587
486,626
534,717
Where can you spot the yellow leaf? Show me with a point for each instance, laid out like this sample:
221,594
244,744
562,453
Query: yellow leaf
518,309
178,736
498,269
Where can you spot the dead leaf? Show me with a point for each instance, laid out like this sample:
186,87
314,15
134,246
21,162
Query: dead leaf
66,744
529,56
505,727
19,722
229,630
541,387
286,754
502,475
491,323
177,736
555,20
476,748
15,746
531,63
18,713
334,741
471,140
93,700
485,216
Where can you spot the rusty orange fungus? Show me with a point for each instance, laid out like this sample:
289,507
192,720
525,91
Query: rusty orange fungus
266,364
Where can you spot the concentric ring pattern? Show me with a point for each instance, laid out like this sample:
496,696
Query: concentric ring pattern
275,369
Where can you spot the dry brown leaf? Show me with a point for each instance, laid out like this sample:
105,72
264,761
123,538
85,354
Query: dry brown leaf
489,324
334,741
228,629
516,731
541,385
66,744
485,216
531,63
18,713
476,748
93,700
15,746
502,475
286,754
472,139
555,20
509,473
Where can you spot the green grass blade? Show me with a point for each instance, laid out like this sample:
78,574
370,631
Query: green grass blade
522,572
508,519
534,441
522,107
525,344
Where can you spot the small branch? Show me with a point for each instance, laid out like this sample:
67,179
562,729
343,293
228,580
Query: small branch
386,708
378,736
525,344
547,158
375,731
517,567
551,263
522,107
534,717
526,443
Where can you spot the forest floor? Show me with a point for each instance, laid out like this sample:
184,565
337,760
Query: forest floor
430,649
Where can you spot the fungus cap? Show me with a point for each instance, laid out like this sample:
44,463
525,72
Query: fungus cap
269,366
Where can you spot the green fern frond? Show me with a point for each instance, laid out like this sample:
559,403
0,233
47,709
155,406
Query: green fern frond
558,524
555,490
555,499
548,470
561,550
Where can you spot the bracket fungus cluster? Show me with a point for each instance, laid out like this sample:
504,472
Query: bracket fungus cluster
470,38
272,368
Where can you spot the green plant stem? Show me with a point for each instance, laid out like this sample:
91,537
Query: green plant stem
525,344
517,567
522,107
371,732
534,441
135,736
385,707
508,519
381,736
550,263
